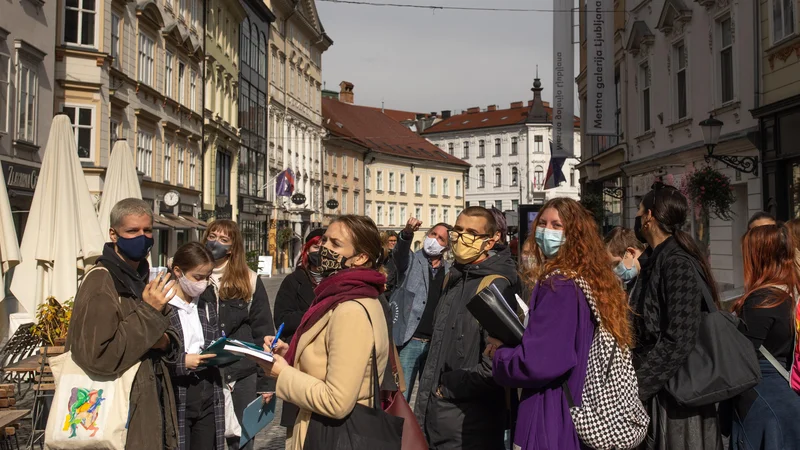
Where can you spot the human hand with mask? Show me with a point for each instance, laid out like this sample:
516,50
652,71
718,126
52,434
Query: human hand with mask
159,292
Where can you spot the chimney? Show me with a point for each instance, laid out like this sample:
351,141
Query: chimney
473,110
517,105
446,114
491,108
346,92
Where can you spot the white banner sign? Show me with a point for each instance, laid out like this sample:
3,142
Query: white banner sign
601,99
563,78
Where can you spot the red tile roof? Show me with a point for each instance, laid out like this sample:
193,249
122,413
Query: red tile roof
396,114
370,128
487,119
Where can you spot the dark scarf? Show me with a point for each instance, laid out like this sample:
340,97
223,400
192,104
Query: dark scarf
345,285
128,282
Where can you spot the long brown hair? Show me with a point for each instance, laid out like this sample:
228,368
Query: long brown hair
366,237
768,260
235,282
190,256
583,254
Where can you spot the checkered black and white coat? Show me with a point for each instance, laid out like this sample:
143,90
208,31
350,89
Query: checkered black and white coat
610,416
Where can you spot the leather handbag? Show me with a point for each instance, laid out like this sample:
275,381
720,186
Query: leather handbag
722,364
394,403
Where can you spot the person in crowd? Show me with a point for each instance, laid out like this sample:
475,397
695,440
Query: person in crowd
323,370
244,313
667,302
624,250
199,399
389,240
414,301
765,417
760,218
459,405
794,228
502,227
120,319
555,345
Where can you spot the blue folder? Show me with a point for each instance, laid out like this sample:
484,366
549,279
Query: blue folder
256,416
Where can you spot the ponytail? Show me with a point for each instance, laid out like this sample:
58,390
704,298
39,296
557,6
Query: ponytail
689,245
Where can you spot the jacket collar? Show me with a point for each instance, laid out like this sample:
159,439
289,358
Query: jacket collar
128,282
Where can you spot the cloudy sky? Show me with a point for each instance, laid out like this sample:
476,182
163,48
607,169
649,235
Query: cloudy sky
422,60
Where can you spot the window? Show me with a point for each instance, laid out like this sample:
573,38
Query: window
538,143
283,73
192,168
681,60
380,215
5,75
514,176
497,147
417,212
418,185
782,19
115,31
291,81
482,204
193,91
391,182
167,160
445,186
403,216
466,179
466,149
344,166
223,173
367,180
82,119
144,153
195,14
538,177
262,55
368,209
181,82
515,205
355,203
79,22
146,51
481,178
379,181
433,216
403,183
245,42
726,60
355,167
458,212
116,130
344,202
335,164
181,164
433,186
392,218
458,188
572,178
481,148
168,74
644,81
27,101
274,66
446,215
450,148
498,177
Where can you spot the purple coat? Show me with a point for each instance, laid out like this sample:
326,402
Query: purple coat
555,344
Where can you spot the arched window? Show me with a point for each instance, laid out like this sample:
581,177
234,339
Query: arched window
245,44
262,50
498,177
538,177
481,178
514,176
254,47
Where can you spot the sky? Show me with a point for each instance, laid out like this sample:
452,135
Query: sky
422,60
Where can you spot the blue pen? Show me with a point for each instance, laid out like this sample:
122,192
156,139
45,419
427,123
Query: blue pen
277,336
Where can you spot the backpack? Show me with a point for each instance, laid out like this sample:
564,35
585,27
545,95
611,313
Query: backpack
610,416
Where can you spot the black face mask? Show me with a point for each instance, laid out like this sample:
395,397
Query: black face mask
330,262
314,259
637,228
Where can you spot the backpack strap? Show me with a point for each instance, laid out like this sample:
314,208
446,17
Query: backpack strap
487,280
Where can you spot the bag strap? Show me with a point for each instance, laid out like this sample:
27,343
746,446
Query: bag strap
708,299
775,363
376,390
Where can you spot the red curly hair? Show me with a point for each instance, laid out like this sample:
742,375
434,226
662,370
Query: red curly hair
306,248
583,254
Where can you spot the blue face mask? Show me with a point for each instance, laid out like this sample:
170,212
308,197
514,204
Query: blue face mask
624,273
136,248
549,241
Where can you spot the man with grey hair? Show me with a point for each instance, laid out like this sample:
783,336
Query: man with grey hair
420,276
120,319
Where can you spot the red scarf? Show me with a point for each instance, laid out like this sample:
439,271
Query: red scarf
345,285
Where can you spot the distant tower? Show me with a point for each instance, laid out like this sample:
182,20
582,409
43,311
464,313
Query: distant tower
537,113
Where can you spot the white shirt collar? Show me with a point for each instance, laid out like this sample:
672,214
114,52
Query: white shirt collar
182,305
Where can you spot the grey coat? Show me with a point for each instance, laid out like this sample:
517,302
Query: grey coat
413,281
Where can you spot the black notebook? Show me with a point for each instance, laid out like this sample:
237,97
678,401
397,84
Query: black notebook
494,314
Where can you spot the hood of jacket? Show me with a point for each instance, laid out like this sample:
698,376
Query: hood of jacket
128,282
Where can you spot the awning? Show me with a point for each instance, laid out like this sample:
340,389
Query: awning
199,224
177,224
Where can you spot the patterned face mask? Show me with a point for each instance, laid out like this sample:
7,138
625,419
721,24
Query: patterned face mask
330,262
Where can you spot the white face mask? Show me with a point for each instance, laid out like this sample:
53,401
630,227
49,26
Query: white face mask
192,288
432,247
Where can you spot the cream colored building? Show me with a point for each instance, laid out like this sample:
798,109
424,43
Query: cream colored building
221,124
296,43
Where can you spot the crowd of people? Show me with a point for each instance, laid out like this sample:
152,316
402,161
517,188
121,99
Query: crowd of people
363,314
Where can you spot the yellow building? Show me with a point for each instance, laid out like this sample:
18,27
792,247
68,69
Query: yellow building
221,140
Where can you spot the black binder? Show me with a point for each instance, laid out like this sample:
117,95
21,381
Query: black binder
494,314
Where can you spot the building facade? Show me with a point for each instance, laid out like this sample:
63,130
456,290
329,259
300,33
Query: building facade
27,85
297,42
509,150
221,139
133,71
253,205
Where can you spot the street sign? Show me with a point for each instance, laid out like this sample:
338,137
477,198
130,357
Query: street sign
298,199
332,204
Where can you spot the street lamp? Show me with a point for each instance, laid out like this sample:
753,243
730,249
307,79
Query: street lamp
712,129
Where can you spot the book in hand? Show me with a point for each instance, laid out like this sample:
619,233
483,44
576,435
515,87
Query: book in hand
222,348
250,350
256,416
492,311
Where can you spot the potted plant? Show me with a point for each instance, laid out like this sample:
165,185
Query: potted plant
52,323
710,192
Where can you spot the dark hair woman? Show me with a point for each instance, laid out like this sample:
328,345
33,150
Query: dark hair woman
766,416
323,370
244,314
667,303
198,389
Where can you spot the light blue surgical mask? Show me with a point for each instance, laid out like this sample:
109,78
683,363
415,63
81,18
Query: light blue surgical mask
549,241
626,273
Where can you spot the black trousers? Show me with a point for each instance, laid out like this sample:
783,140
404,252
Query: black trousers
244,392
200,426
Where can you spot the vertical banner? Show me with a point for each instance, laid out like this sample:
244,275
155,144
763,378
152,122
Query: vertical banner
563,78
600,97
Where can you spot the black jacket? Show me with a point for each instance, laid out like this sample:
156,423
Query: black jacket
294,298
470,414
253,325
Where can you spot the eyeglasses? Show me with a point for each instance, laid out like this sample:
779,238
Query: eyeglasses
466,238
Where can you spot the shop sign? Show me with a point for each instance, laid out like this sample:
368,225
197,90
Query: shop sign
20,177
185,209
332,204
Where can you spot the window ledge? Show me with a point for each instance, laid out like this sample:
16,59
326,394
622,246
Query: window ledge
680,124
727,107
25,145
646,136
782,44
418,195
445,196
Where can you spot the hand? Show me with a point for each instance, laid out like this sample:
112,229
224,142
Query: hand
267,396
280,349
157,292
491,347
438,392
193,361
274,368
162,343
412,225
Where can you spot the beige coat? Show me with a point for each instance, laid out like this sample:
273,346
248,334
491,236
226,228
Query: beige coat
333,365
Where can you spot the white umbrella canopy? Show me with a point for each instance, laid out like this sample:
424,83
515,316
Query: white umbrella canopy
9,244
121,182
62,237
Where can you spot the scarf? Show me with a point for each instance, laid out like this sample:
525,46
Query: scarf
345,285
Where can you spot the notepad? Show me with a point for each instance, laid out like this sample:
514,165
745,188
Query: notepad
221,347
248,350
256,416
